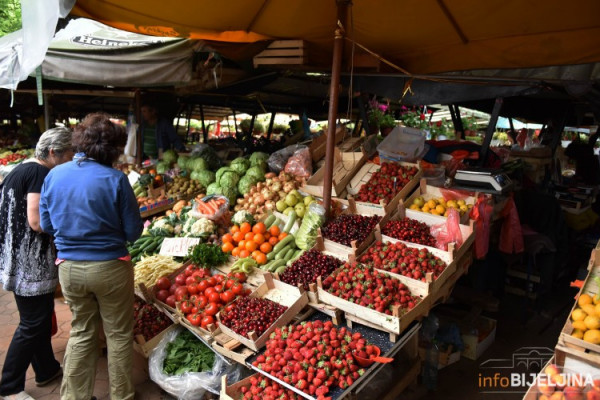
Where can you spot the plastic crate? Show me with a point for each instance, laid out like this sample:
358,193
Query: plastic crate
403,144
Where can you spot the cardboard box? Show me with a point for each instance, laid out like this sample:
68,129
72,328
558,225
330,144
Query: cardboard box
448,357
476,344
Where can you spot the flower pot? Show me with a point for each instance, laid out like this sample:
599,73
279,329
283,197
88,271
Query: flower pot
385,130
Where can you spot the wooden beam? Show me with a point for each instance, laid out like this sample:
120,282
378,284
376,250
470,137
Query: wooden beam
70,92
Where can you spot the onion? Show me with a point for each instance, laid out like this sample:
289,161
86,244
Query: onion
247,195
276,179
282,194
267,193
270,175
241,201
252,209
259,199
288,187
238,207
276,187
270,205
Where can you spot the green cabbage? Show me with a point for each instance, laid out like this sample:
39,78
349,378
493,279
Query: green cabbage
212,188
257,172
246,183
169,156
197,164
205,177
230,193
162,167
229,179
257,157
220,172
182,161
240,165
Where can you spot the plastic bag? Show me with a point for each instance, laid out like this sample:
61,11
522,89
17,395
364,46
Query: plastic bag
190,385
448,231
511,234
212,207
312,221
300,163
279,159
481,213
455,194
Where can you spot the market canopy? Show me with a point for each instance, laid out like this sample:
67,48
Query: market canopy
421,37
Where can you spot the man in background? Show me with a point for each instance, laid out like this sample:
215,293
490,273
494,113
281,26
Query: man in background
158,134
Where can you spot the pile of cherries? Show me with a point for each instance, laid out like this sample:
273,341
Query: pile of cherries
348,227
306,269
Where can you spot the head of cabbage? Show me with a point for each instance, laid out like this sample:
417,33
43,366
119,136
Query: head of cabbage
169,156
240,165
257,172
246,183
257,157
212,188
205,177
197,164
229,179
182,161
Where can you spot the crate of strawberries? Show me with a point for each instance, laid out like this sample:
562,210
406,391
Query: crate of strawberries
250,320
386,184
373,297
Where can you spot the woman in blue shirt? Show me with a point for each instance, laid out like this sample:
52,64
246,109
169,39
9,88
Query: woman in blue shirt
91,210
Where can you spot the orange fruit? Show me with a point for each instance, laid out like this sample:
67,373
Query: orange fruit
267,235
235,229
235,252
245,227
227,238
266,247
274,230
251,246
249,236
255,252
261,258
242,244
227,247
259,238
273,240
282,235
244,253
259,227
238,236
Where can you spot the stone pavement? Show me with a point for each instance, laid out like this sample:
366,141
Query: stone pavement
9,319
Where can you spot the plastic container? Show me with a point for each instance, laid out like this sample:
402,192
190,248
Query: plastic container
403,144
435,176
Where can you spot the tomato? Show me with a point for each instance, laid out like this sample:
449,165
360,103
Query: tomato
214,297
180,279
162,295
186,306
171,301
227,296
219,288
190,269
229,307
202,286
237,288
211,309
211,281
172,288
163,283
181,293
190,279
192,288
219,278
229,283
207,320
209,290
193,298
241,277
195,319
202,301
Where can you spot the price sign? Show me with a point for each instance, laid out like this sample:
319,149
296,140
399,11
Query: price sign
177,247
133,177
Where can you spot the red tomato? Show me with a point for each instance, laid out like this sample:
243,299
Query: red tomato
227,296
229,307
210,290
237,288
192,287
181,293
229,283
211,309
214,297
172,288
190,279
219,278
202,301
163,283
162,295
207,320
211,281
241,277
190,269
194,319
219,288
180,279
193,298
202,285
171,301
186,306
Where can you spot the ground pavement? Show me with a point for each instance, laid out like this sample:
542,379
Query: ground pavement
9,319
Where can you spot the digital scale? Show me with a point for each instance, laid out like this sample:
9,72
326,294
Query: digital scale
483,179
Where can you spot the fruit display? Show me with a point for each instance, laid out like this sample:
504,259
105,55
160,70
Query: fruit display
314,357
262,197
9,157
409,230
145,246
386,182
308,267
259,387
586,319
198,295
398,258
439,206
148,321
183,186
349,227
368,287
554,383
251,314
149,269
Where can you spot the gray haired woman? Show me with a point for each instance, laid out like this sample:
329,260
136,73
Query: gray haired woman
27,257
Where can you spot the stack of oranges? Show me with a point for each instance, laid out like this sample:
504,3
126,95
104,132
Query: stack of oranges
254,241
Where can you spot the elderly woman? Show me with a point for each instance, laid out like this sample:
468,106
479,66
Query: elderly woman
91,210
27,267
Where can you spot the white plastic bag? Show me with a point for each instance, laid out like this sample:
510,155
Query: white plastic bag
189,386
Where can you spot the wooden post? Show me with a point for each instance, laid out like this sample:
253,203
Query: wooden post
338,47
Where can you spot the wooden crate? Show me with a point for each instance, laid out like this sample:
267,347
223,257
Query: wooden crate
282,52
432,192
364,174
317,146
145,347
233,392
572,345
272,289
345,166
393,324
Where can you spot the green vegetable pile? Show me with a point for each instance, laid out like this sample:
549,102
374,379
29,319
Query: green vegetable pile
187,354
207,255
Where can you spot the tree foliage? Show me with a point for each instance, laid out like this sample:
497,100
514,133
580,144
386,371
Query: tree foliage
10,16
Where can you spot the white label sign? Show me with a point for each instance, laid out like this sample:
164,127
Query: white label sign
177,247
133,177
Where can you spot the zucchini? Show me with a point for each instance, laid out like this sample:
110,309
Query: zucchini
290,222
283,252
271,256
270,220
134,252
283,242
280,270
288,256
276,264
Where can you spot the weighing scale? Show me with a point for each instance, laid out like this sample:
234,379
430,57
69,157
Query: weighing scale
484,180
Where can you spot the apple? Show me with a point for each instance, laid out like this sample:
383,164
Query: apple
300,209
281,205
592,394
557,396
573,393
545,388
291,200
296,193
308,199
288,210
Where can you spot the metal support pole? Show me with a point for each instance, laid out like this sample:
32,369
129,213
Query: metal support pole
46,112
271,123
489,133
363,114
338,47
204,131
139,153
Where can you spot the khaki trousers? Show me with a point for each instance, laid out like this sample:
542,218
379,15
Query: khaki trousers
98,291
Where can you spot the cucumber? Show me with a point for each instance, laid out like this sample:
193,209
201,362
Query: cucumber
276,264
288,256
152,246
290,223
142,240
283,252
270,220
283,242
280,270
134,252
271,256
